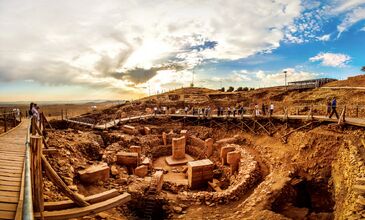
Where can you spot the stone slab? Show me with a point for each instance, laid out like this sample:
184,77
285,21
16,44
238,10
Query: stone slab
173,162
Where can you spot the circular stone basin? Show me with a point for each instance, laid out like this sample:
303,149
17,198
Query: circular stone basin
175,173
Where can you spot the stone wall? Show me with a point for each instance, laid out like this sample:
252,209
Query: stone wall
348,167
248,175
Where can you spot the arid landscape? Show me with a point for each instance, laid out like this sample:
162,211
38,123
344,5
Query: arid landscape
317,172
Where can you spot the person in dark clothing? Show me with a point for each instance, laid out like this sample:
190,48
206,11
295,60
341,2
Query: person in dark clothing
30,113
263,108
329,105
334,106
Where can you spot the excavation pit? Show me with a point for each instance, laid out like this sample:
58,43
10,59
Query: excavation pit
252,172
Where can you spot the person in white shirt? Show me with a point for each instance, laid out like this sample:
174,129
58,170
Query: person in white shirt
35,111
271,108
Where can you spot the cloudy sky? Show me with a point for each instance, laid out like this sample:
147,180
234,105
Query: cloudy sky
123,49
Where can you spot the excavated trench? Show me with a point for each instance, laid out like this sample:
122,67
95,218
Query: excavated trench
303,163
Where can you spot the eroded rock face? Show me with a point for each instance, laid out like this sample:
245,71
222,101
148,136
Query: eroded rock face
95,173
141,171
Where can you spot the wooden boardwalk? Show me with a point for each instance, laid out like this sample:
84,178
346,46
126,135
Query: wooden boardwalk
360,122
12,155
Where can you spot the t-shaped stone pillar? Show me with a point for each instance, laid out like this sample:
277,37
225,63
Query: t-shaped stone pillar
224,152
178,148
233,159
164,138
209,146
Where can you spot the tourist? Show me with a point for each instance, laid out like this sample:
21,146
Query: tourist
218,111
257,110
186,110
234,111
155,110
30,109
207,113
263,109
334,106
228,111
329,105
35,111
271,109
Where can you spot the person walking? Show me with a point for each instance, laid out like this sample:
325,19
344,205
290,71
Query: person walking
329,105
257,111
334,106
229,111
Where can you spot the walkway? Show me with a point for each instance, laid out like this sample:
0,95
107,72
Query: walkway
12,154
360,122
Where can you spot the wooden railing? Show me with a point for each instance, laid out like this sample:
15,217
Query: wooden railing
10,119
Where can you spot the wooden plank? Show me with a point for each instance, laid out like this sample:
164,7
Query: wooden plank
52,206
8,199
9,183
12,162
12,179
7,215
19,208
53,176
9,188
12,157
2,170
7,206
9,193
88,210
8,167
11,174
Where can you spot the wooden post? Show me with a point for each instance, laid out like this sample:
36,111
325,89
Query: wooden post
62,114
33,126
36,173
357,111
53,176
14,121
342,118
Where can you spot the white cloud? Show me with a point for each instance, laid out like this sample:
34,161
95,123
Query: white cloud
97,44
331,59
325,37
346,5
362,29
351,18
278,78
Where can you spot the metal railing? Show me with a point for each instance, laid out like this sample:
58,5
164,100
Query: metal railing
27,199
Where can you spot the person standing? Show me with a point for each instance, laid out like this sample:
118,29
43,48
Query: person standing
35,111
229,111
271,109
334,106
263,109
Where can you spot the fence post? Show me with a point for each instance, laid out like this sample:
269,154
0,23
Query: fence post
36,168
14,122
357,111
5,125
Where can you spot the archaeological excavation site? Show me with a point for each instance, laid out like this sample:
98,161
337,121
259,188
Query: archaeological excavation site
177,163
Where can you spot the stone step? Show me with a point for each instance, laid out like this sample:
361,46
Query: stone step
360,189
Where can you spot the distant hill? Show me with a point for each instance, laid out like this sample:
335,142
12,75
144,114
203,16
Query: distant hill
355,81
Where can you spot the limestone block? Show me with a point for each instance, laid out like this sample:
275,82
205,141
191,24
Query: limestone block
147,161
199,173
197,142
141,171
209,146
127,158
136,149
158,179
184,132
95,173
233,159
129,129
224,152
178,148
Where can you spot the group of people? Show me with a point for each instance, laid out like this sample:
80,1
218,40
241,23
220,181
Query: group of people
34,111
265,109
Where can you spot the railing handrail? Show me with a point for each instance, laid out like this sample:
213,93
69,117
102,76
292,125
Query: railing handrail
27,198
